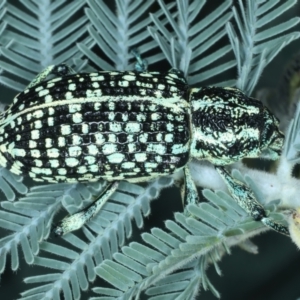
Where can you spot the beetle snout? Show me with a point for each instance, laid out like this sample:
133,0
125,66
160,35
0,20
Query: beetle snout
272,139
276,144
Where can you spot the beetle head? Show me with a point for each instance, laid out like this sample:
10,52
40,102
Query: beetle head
227,126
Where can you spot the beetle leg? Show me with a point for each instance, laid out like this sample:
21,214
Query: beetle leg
141,65
189,191
246,199
76,221
60,70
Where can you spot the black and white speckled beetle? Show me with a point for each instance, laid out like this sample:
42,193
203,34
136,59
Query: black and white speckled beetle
132,126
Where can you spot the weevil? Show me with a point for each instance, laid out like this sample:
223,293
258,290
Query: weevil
134,126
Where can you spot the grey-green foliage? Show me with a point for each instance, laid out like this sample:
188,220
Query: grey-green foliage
258,42
188,46
40,33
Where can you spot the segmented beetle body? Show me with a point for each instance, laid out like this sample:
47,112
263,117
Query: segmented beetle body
110,125
128,125
132,126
